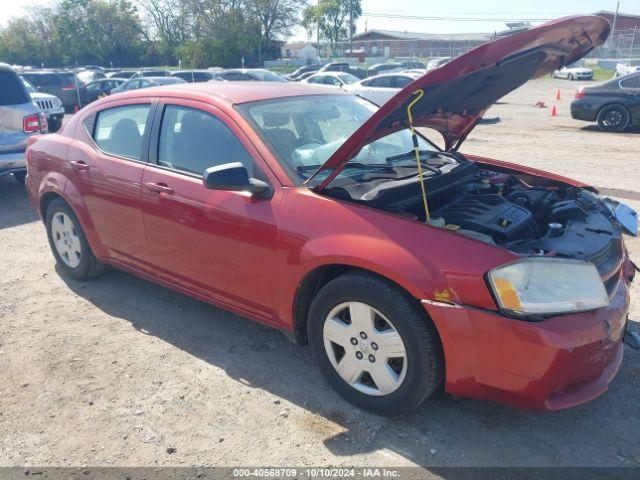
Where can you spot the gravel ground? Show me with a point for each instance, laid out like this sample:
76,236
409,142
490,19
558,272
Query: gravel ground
119,371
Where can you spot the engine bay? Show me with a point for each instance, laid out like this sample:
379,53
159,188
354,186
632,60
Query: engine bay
500,209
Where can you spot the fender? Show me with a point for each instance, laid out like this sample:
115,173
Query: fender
508,167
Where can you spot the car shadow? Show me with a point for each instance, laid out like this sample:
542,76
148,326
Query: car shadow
596,129
443,431
15,208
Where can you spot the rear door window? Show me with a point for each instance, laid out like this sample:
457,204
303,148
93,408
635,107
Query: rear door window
402,82
119,130
383,82
12,90
632,82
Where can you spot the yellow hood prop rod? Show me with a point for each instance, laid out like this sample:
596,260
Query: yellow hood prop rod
414,137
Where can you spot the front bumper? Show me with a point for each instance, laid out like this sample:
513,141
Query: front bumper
12,162
553,364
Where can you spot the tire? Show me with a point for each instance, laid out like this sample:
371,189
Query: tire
54,125
394,319
613,118
74,255
20,177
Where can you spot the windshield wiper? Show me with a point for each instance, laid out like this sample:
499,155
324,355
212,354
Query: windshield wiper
306,168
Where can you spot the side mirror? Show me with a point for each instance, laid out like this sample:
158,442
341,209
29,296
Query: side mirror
234,177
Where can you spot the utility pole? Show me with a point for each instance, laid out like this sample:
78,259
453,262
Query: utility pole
615,20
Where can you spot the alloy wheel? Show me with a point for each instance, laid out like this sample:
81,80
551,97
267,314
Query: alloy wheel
365,348
66,239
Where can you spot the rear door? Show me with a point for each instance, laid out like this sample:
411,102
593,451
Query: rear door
220,244
15,104
105,167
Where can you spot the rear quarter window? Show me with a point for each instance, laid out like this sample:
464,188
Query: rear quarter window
12,90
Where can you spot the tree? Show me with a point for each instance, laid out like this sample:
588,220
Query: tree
275,18
167,23
29,40
98,31
335,19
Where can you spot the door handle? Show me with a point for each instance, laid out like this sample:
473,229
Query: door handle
159,187
80,165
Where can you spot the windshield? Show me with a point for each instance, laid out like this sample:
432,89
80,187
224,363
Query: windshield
347,78
267,76
28,86
303,132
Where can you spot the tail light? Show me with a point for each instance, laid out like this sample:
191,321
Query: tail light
67,88
35,123
579,93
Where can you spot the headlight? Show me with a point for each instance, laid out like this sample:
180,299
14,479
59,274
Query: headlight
547,286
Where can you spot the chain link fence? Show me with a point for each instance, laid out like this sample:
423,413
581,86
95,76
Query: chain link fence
621,45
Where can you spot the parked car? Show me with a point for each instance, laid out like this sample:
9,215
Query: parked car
63,85
248,75
437,62
149,72
302,208
614,104
414,65
101,88
88,76
335,67
50,105
20,118
332,79
381,88
194,76
310,69
625,69
137,83
304,76
385,68
121,74
574,73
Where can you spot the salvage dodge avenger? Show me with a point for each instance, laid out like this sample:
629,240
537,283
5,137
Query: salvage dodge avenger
407,266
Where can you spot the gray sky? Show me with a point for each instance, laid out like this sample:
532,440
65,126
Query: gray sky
487,16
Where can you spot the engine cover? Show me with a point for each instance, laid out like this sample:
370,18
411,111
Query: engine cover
491,215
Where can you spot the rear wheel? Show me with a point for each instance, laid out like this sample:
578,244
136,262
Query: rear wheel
69,243
374,344
613,118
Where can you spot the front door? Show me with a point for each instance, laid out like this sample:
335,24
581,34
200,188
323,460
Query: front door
218,243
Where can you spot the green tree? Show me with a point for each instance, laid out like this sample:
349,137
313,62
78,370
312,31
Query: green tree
98,31
29,40
335,19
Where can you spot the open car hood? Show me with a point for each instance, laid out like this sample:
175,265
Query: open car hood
457,94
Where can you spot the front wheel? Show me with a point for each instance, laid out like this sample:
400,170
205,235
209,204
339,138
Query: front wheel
69,243
613,118
374,344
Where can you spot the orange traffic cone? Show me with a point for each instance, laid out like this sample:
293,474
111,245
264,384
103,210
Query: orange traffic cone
554,112
558,95
75,108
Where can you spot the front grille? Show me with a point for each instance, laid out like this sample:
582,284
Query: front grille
45,104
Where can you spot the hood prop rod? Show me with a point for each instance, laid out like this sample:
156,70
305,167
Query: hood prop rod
414,137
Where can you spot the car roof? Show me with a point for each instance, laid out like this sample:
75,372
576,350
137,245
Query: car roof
233,93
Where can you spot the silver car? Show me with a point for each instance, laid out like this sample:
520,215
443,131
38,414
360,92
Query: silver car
19,119
49,104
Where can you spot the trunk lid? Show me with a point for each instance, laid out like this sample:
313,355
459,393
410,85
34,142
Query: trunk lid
457,94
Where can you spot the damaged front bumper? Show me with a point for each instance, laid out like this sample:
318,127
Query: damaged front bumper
553,364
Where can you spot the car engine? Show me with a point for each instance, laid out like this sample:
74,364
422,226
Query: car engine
500,209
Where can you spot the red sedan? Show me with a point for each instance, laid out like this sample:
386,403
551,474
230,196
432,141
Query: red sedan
406,266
